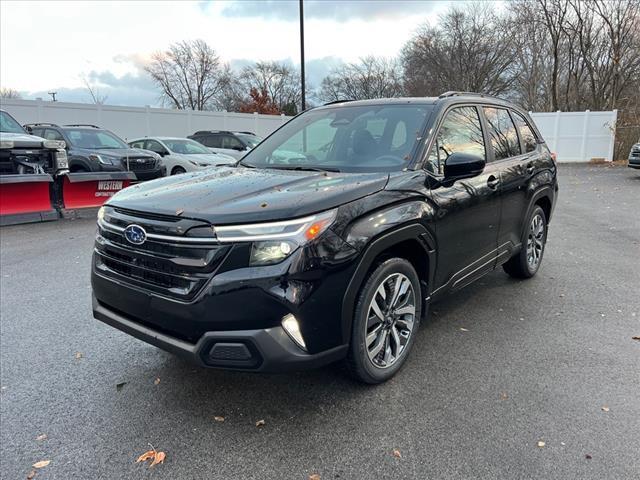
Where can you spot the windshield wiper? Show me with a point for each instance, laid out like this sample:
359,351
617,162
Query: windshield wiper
307,168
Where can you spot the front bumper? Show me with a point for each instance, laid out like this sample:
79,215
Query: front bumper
260,350
634,162
151,174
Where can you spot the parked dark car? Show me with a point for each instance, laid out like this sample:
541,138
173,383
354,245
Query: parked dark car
288,262
94,149
22,153
634,156
236,144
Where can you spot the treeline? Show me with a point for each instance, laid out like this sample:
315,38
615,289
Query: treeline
545,55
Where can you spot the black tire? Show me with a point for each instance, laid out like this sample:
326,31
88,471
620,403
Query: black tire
79,169
385,275
520,265
178,171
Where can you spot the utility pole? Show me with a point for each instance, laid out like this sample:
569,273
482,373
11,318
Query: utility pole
53,96
304,101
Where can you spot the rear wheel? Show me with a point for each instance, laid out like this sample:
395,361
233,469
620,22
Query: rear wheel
527,262
177,171
386,318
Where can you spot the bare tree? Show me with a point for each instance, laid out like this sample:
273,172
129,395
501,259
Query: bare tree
9,93
190,75
94,92
280,81
373,77
468,50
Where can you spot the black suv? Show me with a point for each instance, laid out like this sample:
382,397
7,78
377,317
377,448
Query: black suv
330,239
236,144
94,149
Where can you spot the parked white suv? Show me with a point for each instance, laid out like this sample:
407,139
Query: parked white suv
182,155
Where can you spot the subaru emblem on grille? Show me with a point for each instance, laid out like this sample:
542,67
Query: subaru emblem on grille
135,234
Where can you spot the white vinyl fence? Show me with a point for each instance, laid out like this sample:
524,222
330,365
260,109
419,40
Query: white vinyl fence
574,136
578,136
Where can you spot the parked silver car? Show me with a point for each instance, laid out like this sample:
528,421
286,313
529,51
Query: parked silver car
634,156
235,144
182,155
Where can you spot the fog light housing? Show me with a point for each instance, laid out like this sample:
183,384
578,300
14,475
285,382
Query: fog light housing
291,326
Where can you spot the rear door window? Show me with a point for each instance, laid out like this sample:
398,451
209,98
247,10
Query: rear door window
51,134
460,132
212,141
231,142
529,140
502,132
138,144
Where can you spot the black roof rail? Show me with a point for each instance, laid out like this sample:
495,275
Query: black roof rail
339,101
454,93
210,131
81,125
246,132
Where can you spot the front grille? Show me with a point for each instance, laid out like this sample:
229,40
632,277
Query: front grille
169,268
9,160
137,164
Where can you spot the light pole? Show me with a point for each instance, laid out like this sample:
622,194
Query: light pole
304,102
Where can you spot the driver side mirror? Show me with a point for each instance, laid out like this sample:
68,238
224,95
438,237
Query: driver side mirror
239,148
462,165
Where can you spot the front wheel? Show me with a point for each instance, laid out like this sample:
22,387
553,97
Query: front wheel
178,171
385,322
527,262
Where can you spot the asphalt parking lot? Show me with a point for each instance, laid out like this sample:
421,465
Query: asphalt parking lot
499,367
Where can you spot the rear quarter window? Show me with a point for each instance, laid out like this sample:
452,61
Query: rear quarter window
529,139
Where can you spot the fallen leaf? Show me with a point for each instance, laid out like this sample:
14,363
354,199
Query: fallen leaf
260,423
605,408
219,419
396,453
146,456
463,329
179,211
156,381
41,464
588,457
79,355
541,444
315,476
120,385
263,205
637,337
31,475
41,437
503,396
158,459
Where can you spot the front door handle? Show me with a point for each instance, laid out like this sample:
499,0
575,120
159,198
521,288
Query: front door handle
493,182
530,169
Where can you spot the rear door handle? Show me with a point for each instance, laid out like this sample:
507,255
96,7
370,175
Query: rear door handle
493,182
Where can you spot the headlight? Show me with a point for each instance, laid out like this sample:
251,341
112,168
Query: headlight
6,144
102,160
274,241
61,159
100,214
54,144
199,164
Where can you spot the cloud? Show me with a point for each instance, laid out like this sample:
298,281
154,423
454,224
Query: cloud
339,11
128,89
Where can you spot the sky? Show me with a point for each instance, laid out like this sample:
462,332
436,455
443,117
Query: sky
57,45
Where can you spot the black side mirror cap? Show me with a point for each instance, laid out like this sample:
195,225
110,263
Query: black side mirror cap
463,165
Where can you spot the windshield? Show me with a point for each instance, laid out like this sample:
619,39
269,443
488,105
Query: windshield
9,125
251,140
368,138
94,139
185,147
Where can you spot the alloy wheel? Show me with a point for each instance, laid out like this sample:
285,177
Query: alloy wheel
535,241
390,320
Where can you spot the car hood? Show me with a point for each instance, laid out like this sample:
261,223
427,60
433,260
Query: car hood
22,139
210,158
241,195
